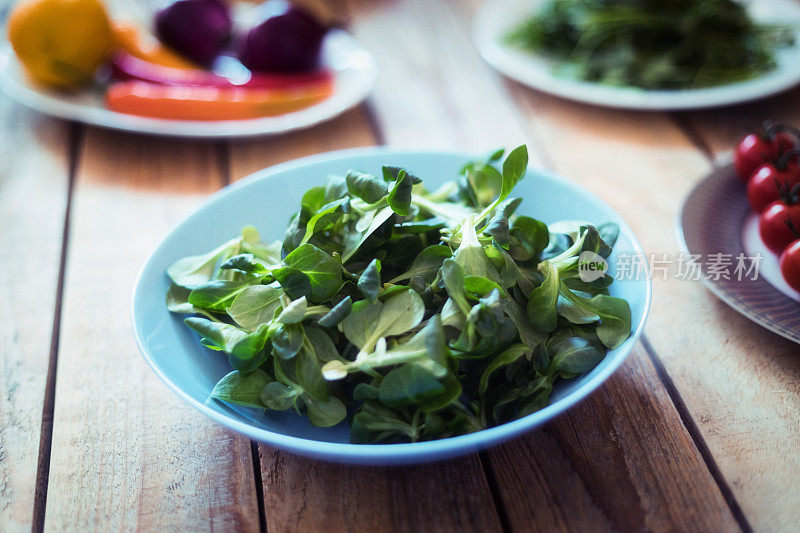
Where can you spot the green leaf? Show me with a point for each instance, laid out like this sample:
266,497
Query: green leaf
324,273
314,198
369,283
217,295
470,255
242,389
354,240
615,319
528,333
369,188
294,313
453,278
427,263
245,263
178,300
414,384
510,355
400,194
514,168
335,316
360,321
287,339
575,355
400,313
294,282
255,305
609,232
391,174
542,308
574,313
478,286
323,218
198,269
324,347
309,375
368,321
498,226
532,236
325,414
365,393
246,350
277,396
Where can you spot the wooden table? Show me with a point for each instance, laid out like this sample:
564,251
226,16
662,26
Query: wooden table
699,430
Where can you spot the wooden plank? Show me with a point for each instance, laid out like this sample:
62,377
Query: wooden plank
302,494
34,159
433,91
307,495
619,461
127,453
434,69
351,130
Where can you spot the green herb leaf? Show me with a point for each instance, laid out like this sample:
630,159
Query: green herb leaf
543,301
323,272
339,312
255,305
287,339
277,396
369,283
369,188
400,194
242,389
294,313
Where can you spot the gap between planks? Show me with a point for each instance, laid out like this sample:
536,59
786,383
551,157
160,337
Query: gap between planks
694,432
75,139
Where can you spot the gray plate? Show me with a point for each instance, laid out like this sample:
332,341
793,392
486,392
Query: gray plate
710,222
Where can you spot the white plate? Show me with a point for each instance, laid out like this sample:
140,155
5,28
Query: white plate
354,75
496,17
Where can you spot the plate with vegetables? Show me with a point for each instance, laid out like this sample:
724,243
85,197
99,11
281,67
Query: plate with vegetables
393,307
750,209
194,68
649,55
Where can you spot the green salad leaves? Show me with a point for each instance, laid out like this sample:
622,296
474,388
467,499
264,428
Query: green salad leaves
652,44
412,314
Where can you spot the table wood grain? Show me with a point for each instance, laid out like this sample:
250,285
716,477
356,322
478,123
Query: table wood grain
697,431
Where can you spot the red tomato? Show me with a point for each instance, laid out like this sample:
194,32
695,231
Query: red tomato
779,225
763,187
755,150
790,265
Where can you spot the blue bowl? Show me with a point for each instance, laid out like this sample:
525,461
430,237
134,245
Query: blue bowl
266,200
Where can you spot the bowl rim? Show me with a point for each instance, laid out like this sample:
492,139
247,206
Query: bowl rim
402,452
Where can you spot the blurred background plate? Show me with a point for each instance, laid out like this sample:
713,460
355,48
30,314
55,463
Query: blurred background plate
716,219
354,74
176,355
496,18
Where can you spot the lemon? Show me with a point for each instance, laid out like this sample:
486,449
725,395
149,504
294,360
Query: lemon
61,43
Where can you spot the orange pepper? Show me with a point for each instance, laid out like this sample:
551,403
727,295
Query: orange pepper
146,47
209,103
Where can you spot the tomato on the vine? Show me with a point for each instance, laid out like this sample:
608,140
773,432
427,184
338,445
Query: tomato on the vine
769,182
779,225
790,265
755,150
